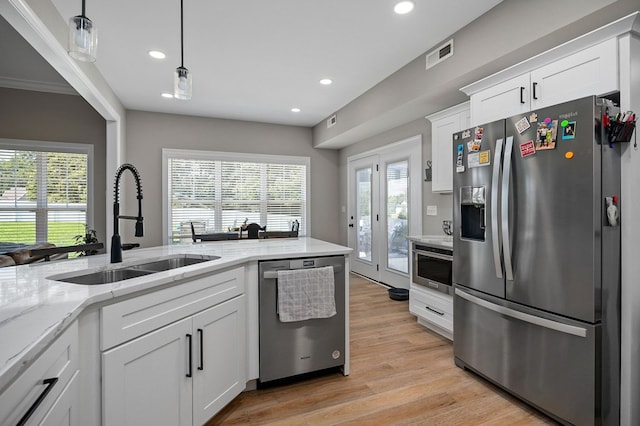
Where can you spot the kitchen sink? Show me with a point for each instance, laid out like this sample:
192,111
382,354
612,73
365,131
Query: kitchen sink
174,262
106,277
133,271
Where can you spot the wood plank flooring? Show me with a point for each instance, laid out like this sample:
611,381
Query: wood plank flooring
401,374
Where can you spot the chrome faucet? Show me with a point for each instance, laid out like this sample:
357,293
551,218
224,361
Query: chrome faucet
116,244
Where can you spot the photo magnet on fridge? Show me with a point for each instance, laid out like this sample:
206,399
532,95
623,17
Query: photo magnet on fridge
522,125
547,134
568,129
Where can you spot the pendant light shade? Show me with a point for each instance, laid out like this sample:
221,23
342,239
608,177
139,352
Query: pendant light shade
83,37
182,76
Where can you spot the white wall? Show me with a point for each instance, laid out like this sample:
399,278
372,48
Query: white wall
147,133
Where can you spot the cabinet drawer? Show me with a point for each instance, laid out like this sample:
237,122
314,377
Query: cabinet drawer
134,317
45,378
432,307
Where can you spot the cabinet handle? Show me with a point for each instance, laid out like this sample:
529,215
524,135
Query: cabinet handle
521,94
190,373
50,383
534,90
434,311
201,334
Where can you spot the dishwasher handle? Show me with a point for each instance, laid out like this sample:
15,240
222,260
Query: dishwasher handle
273,275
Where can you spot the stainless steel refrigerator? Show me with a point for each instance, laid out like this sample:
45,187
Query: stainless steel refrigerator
536,266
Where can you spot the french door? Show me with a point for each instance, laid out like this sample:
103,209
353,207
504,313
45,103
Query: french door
384,208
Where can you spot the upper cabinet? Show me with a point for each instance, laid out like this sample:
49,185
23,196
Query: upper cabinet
590,71
443,125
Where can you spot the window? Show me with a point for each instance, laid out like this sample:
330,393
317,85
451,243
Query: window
220,191
44,189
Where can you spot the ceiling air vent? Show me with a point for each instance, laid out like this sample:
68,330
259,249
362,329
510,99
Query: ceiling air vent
331,121
440,54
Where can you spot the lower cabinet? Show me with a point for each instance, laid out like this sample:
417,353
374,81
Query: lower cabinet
433,309
45,392
181,374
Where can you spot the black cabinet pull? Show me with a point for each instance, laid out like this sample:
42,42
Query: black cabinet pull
434,311
534,90
190,373
521,94
201,334
50,383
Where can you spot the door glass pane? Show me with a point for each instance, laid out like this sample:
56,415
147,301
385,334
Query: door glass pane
397,216
363,213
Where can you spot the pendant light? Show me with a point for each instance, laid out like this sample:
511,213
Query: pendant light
182,76
83,37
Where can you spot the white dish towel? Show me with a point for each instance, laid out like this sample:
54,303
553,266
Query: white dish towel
306,294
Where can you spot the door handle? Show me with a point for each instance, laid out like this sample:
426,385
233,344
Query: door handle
190,372
495,233
50,383
201,335
522,94
506,240
534,90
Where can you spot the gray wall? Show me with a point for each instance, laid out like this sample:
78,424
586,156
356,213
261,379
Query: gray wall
52,117
147,133
511,32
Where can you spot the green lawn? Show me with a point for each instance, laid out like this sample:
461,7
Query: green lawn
60,233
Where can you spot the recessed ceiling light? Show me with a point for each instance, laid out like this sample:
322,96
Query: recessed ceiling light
167,95
403,7
326,81
295,109
157,54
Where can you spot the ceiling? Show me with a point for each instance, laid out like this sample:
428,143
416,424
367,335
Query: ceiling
255,59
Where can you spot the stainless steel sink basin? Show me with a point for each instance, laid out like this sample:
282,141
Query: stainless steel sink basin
174,262
106,277
133,271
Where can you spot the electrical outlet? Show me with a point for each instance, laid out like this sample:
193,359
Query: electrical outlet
432,210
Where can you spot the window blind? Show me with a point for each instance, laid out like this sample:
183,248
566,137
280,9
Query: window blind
222,194
43,196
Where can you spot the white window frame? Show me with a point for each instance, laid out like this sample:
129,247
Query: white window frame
188,154
69,147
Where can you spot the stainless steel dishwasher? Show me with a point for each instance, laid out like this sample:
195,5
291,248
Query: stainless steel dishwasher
291,348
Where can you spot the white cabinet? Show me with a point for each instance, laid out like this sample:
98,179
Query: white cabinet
433,309
181,374
591,71
185,358
45,393
443,125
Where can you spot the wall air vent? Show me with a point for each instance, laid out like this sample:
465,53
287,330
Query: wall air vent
440,54
331,121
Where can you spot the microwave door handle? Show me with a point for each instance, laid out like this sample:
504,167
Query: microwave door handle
497,246
432,254
506,241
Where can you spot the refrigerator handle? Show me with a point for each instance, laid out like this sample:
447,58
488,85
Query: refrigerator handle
506,241
522,316
495,237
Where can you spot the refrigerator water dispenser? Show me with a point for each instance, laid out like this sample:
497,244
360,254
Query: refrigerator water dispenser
472,212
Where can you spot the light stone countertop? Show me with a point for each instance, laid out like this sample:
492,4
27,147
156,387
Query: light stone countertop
34,310
442,241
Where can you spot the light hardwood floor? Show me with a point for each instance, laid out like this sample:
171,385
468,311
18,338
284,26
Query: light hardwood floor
401,374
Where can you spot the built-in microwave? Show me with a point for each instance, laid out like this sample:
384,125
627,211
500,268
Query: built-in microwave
432,267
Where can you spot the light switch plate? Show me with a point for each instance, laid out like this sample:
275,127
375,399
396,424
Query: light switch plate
432,210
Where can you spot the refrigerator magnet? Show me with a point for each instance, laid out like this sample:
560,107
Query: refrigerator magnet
522,125
547,134
533,117
460,159
568,129
527,149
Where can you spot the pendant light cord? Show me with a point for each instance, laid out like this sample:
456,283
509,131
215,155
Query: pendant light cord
181,35
83,10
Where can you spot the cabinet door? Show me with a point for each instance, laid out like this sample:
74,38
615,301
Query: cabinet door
592,71
442,152
144,382
501,101
219,357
